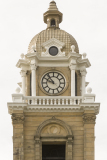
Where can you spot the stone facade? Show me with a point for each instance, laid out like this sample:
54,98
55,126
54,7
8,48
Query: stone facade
42,118
31,130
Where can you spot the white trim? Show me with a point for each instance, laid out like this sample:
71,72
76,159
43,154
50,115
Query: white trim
71,108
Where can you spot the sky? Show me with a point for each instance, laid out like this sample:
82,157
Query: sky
20,21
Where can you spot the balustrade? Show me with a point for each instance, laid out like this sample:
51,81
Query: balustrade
53,100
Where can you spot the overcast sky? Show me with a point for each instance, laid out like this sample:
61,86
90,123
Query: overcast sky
20,20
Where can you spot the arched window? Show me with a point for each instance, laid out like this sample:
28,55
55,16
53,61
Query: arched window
53,22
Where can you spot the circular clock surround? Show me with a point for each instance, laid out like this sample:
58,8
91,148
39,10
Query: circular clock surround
53,83
53,51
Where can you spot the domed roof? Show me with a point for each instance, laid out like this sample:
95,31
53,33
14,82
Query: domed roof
47,34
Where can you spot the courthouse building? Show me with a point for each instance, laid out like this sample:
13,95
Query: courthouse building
54,116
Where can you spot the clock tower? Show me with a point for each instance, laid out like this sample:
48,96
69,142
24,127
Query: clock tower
53,117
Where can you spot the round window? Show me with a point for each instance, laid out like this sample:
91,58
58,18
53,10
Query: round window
53,51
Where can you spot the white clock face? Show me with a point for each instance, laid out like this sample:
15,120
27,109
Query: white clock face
53,82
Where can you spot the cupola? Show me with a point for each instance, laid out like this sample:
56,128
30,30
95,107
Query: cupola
52,17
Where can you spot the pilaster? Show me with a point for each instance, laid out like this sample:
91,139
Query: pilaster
18,136
89,123
38,148
69,148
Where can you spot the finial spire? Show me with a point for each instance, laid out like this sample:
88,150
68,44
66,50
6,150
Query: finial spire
53,16
52,6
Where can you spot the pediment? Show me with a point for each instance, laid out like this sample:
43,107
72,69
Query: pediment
50,43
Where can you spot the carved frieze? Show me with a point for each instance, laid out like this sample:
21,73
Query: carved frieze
89,118
17,118
53,129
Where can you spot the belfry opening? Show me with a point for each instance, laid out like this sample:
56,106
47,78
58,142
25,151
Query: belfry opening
53,24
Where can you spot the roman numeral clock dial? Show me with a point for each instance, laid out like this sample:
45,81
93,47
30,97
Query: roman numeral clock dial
53,82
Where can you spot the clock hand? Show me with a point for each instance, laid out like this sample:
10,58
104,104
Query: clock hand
52,82
50,79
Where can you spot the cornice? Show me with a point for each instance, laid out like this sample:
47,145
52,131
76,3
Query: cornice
83,62
22,62
53,108
60,61
31,55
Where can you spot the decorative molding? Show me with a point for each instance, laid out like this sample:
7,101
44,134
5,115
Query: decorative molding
17,118
60,61
16,106
89,118
20,84
53,121
70,139
83,62
22,63
83,72
33,66
70,142
50,43
86,84
23,73
72,66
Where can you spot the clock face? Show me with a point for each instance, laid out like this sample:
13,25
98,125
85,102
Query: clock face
53,82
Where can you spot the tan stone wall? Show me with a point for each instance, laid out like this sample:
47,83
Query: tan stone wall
74,120
40,71
26,124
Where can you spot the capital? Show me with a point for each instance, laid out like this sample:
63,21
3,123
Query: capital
37,140
16,119
72,67
70,139
83,72
89,118
33,67
23,73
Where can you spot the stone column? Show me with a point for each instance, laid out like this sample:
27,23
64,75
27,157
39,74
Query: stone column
18,136
72,67
23,74
83,74
69,148
89,123
38,149
33,84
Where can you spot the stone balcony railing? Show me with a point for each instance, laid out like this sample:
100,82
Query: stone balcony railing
53,103
53,100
